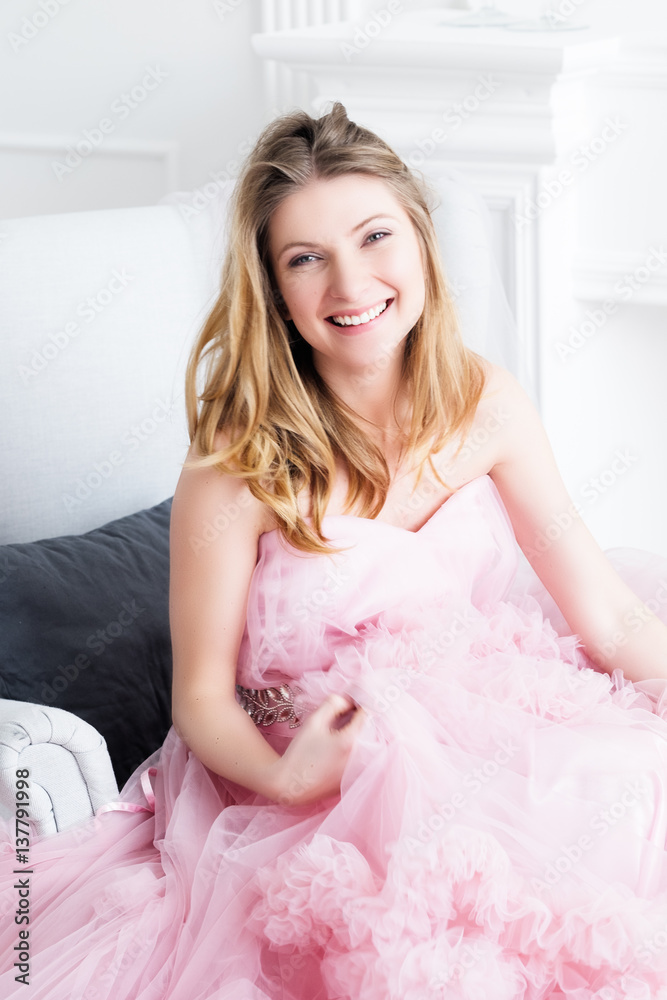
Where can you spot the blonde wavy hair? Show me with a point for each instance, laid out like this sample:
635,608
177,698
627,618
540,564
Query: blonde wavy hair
283,426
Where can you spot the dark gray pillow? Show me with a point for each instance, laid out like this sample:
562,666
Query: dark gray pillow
84,626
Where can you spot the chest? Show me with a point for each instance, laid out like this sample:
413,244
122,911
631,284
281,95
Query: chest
412,499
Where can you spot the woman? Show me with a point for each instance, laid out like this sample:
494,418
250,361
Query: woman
388,776
337,392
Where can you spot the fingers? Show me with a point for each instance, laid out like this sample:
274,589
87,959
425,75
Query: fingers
340,701
338,711
343,719
349,716
333,704
356,721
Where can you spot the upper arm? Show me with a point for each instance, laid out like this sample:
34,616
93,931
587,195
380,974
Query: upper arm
548,524
215,527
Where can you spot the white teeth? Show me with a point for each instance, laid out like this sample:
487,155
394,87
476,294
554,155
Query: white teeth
365,317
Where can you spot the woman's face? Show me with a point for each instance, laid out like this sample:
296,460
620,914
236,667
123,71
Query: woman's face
349,267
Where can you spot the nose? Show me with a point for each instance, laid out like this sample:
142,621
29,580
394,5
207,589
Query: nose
348,279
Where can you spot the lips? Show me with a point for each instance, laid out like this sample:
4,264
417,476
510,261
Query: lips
359,318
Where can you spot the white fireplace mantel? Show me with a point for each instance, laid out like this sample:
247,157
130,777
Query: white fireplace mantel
504,108
414,71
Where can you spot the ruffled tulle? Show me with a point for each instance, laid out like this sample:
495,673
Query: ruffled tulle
500,831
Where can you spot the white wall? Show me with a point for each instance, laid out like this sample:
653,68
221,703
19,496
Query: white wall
608,397
72,73
604,403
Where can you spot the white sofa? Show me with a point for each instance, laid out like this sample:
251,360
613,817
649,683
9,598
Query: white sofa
99,310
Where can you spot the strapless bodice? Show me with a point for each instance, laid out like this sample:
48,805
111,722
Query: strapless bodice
464,554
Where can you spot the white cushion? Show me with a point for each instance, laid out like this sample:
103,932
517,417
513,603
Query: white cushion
93,407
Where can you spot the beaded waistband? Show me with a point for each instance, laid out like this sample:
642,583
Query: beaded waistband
268,705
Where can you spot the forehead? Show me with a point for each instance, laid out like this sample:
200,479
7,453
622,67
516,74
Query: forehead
325,209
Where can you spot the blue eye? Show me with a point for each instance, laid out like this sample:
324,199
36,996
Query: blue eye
305,257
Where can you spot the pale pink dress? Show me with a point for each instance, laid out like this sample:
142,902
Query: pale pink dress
501,827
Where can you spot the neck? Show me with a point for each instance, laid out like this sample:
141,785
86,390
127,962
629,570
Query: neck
375,393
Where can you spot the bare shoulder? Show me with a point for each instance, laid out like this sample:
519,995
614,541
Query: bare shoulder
506,416
503,410
216,524
209,502
501,390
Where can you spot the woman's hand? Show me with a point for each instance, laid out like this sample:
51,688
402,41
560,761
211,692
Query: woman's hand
312,766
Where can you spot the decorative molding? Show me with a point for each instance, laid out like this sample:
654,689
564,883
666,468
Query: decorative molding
284,86
415,72
632,278
641,63
282,15
411,76
424,47
57,145
507,191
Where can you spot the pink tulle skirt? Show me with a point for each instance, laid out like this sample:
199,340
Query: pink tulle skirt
500,831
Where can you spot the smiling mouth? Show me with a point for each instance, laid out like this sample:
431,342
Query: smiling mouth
361,318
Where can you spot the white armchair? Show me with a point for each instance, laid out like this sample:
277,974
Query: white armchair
68,758
98,313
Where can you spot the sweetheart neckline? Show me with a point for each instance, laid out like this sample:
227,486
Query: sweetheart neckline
398,527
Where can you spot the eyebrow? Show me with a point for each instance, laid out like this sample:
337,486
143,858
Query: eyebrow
305,243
